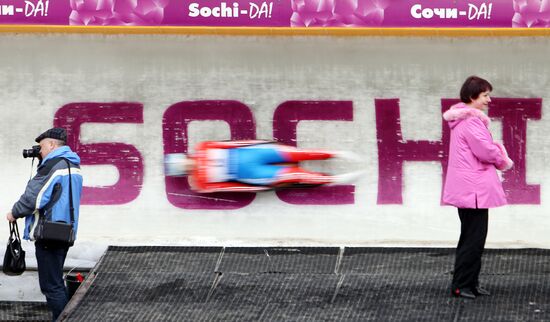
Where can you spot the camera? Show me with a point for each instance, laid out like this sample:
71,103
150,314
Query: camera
33,152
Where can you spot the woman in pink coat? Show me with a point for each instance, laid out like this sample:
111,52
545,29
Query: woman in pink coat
472,184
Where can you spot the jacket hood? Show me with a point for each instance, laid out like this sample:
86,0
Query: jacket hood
63,152
459,112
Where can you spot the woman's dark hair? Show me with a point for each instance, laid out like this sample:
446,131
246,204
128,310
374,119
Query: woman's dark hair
472,87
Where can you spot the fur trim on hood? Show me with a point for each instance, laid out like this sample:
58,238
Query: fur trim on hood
461,111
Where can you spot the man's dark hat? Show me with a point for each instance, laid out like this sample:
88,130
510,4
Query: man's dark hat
57,133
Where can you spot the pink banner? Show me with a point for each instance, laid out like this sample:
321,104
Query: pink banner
280,13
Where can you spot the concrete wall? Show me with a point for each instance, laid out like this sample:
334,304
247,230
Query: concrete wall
127,100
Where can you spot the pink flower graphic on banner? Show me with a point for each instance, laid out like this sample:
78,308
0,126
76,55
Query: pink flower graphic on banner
338,13
117,12
531,13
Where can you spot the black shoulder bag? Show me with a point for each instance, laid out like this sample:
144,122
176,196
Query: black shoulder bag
57,231
14,258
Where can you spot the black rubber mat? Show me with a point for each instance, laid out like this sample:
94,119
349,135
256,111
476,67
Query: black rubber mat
397,260
403,297
24,311
262,289
267,296
515,298
305,260
161,259
516,261
143,311
152,287
300,284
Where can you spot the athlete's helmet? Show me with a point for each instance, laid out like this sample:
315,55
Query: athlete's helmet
177,164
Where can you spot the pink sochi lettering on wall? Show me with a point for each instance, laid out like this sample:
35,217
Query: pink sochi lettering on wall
393,149
285,121
514,113
126,158
175,125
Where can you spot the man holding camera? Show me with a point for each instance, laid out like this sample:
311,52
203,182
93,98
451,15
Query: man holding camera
50,206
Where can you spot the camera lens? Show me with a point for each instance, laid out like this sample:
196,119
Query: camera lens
33,152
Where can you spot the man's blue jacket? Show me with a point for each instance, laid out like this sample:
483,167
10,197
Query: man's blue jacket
47,193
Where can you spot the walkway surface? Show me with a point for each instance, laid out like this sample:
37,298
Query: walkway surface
304,284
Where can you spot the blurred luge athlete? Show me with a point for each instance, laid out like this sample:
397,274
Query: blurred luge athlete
47,194
253,165
472,184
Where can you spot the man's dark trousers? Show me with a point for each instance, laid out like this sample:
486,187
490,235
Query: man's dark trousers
50,259
473,233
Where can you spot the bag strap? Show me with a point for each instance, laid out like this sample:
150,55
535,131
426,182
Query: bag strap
70,192
14,230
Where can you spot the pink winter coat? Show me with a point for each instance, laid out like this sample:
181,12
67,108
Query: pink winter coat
472,180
